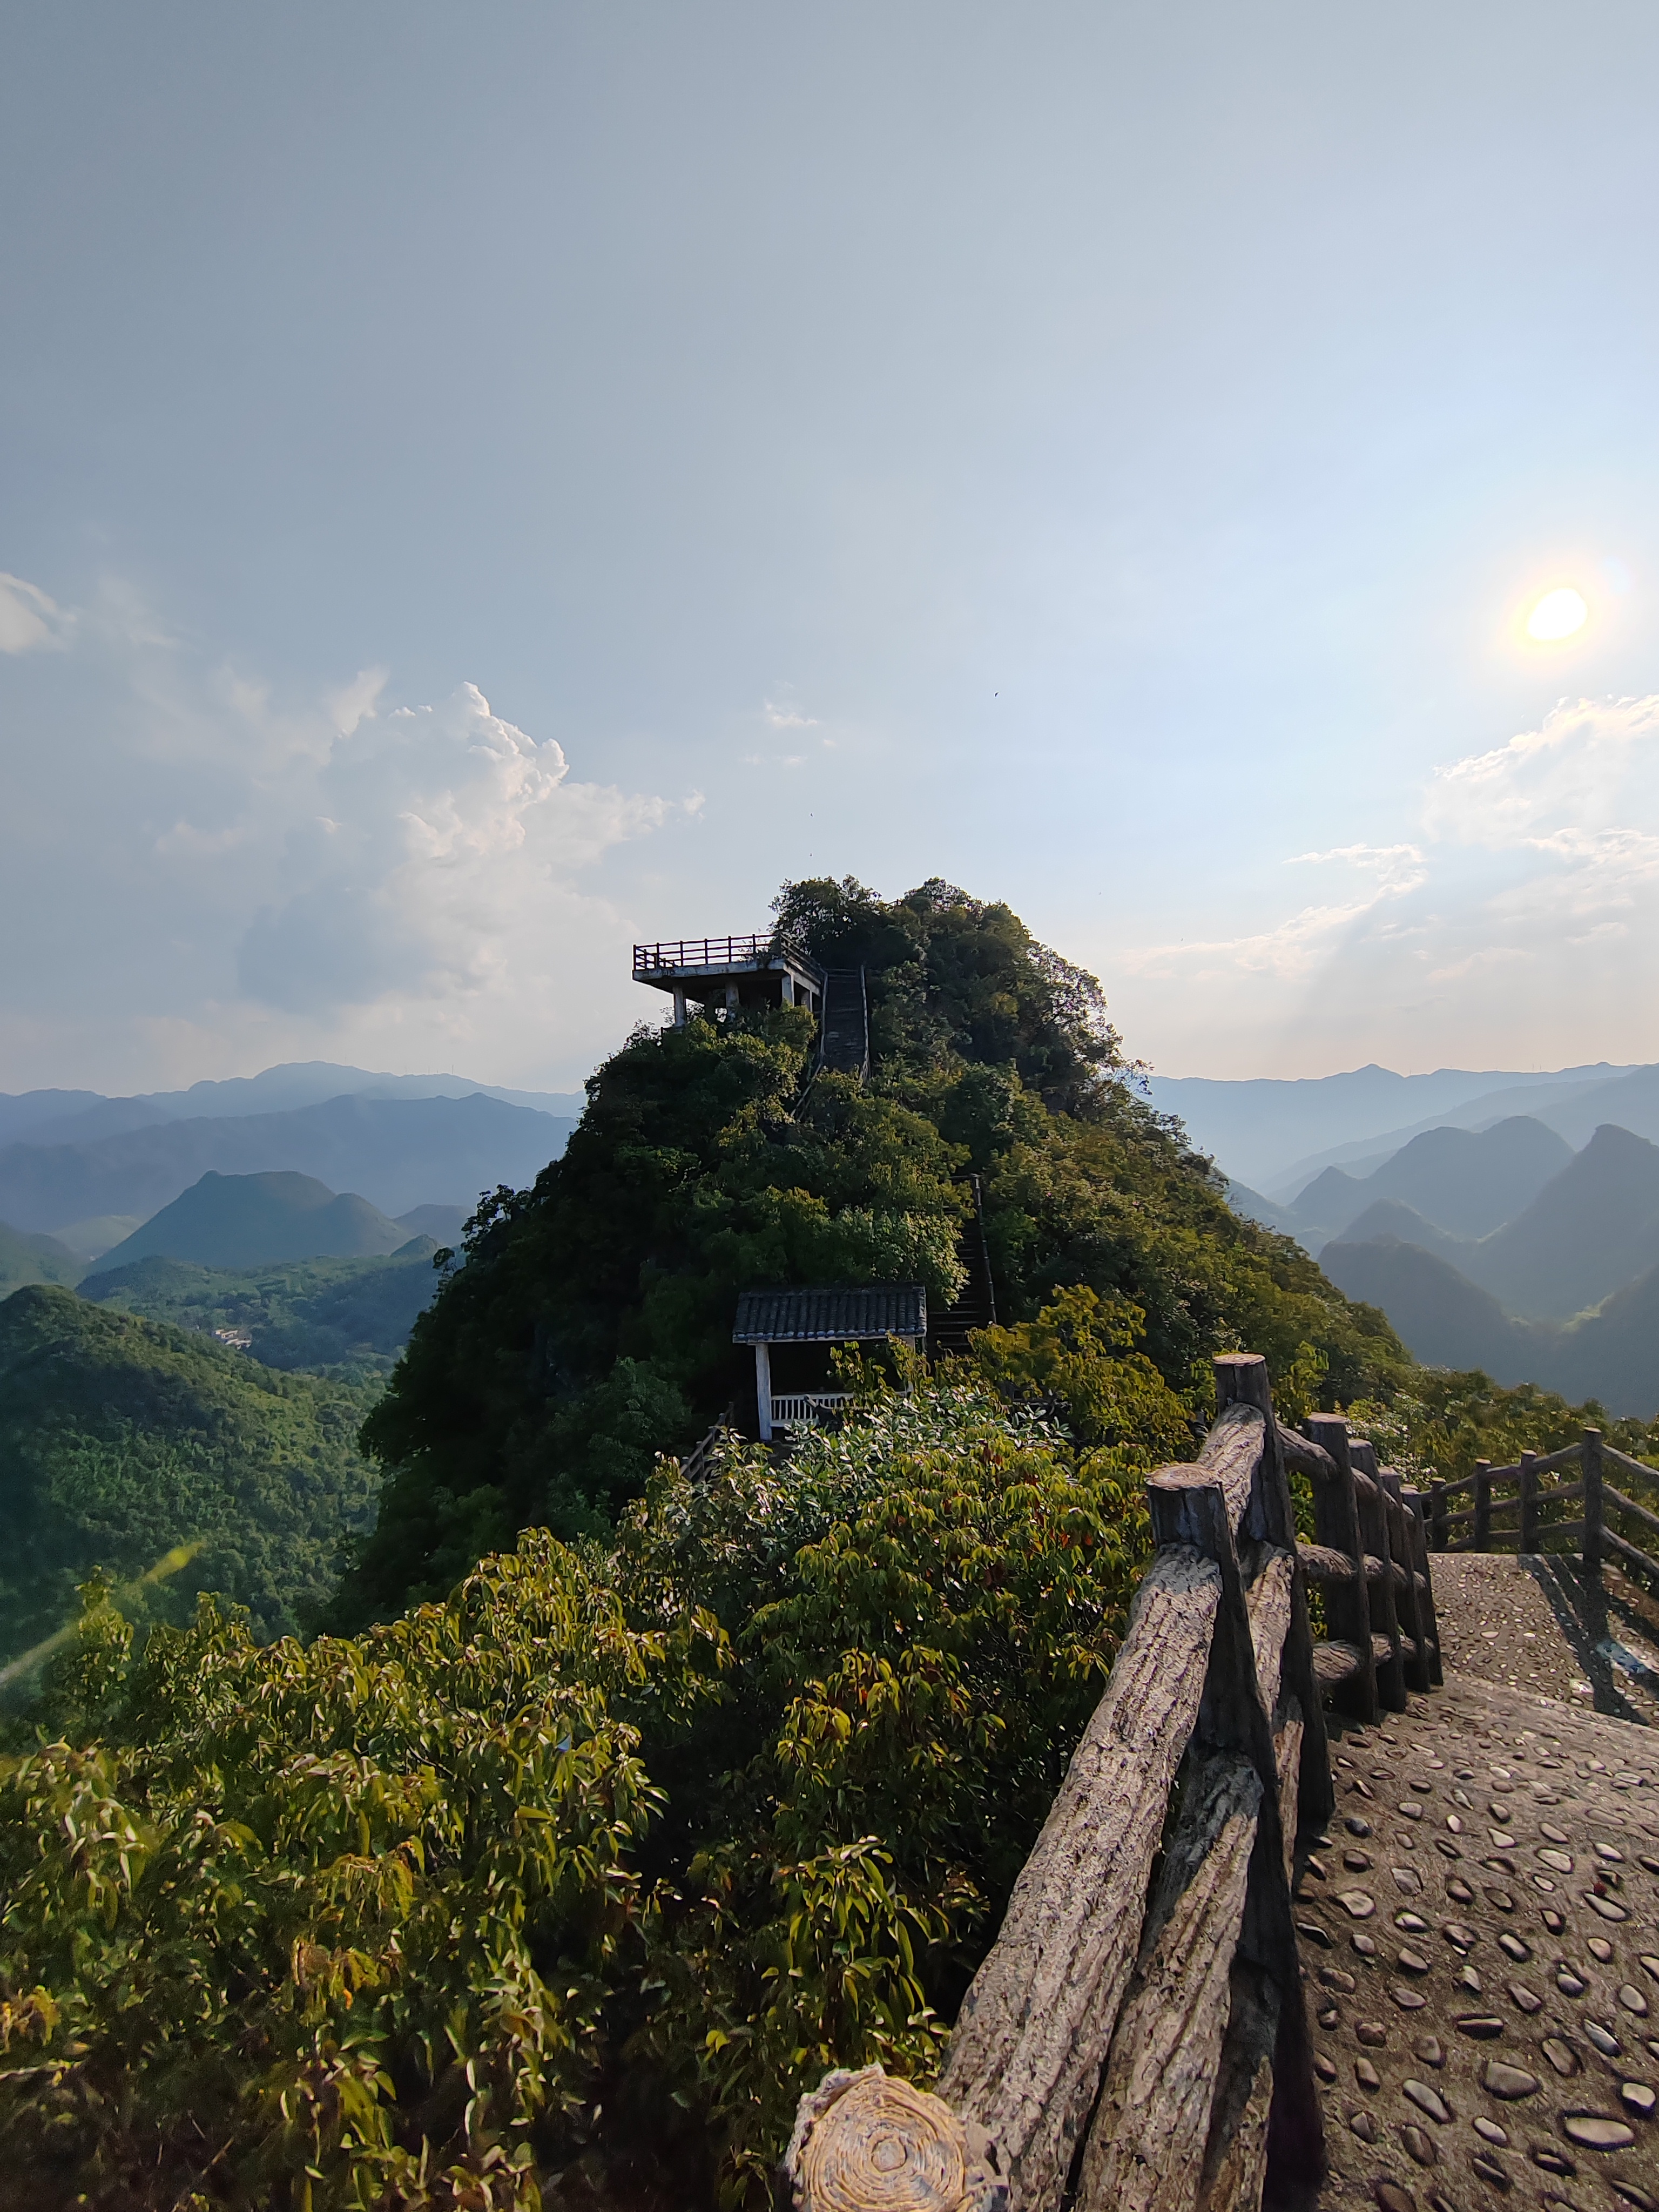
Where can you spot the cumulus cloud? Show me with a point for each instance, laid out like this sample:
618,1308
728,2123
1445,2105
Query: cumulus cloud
245,875
29,621
421,849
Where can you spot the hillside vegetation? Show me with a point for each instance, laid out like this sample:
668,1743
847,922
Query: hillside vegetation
27,1256
350,1317
610,1852
121,1439
592,1324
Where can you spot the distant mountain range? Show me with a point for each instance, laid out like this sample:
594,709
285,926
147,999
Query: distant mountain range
1462,1181
1611,1355
54,1117
398,1152
1504,1248
1274,1136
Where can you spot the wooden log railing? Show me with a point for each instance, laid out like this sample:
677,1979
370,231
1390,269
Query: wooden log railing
1137,2036
1499,1492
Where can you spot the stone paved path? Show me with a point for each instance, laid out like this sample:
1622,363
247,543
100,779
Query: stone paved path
1482,1946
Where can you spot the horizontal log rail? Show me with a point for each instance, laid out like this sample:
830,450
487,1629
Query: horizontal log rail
1519,1517
1137,2036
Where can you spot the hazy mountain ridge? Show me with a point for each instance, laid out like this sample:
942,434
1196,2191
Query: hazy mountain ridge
1447,1321
255,1220
26,1257
397,1152
1275,1135
53,1117
1466,1183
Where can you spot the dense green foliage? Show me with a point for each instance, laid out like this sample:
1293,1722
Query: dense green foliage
349,1317
121,1439
592,1323
664,1830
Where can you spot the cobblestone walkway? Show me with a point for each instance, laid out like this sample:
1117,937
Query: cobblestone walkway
1482,1946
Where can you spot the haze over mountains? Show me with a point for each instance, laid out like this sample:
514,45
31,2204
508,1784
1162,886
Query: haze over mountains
69,1159
1275,1136
1526,1243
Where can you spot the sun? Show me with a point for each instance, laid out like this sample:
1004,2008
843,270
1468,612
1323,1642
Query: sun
1559,614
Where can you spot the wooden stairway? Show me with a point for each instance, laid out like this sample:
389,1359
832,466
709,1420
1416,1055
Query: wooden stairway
976,1303
844,1037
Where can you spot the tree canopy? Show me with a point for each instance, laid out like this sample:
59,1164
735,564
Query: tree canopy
591,1325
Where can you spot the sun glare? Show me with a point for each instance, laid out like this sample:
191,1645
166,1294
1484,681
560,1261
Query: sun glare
1558,615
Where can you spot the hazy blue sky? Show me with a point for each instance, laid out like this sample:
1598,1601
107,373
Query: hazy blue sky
481,484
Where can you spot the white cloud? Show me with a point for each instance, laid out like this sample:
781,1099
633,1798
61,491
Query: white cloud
424,854
28,619
782,715
251,876
1572,774
1299,945
1526,920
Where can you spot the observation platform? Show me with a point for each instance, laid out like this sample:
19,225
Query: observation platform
729,971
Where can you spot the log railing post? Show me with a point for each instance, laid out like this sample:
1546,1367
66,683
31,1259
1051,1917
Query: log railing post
1241,1378
1483,1505
1528,1543
1590,1454
1347,1610
1438,1531
1268,2037
1405,1534
1427,1617
1384,1616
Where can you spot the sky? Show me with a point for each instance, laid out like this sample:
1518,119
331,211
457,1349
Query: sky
480,487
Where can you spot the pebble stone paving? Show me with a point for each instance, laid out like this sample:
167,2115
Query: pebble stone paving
1479,1937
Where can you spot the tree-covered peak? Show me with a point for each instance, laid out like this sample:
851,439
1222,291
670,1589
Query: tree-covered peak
957,981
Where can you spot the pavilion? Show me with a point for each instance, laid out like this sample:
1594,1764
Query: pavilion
789,1319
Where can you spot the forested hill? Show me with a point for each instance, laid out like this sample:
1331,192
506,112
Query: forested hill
121,1439
590,1326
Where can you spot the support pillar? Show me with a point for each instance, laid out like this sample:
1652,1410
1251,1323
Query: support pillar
763,1390
679,1005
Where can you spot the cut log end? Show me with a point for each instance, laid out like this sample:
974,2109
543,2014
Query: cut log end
869,2142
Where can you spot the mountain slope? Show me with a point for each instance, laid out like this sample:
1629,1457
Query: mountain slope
26,1256
1463,1181
353,1314
120,1439
1591,1229
1613,1355
250,1221
1444,1319
1392,1217
399,1152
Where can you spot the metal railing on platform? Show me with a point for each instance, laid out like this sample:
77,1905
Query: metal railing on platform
702,953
